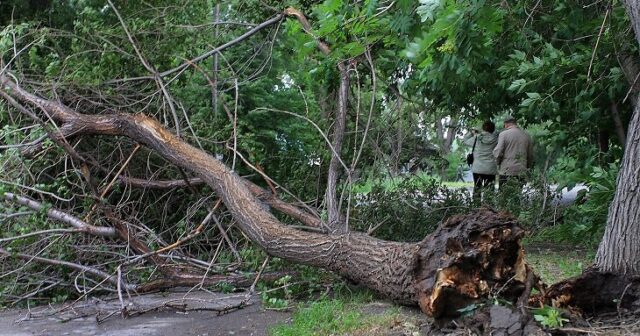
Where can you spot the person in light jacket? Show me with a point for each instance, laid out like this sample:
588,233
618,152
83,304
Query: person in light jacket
514,153
484,166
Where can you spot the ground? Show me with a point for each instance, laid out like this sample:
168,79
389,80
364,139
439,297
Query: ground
55,320
165,314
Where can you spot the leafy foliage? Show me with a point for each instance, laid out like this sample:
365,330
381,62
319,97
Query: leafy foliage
549,317
407,209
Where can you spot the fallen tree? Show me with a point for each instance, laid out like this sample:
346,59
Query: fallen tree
465,260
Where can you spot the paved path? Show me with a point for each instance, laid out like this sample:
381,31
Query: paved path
251,320
564,198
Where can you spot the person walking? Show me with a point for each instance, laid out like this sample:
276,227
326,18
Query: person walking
460,173
514,154
484,166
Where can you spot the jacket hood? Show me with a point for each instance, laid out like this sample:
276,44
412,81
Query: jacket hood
487,138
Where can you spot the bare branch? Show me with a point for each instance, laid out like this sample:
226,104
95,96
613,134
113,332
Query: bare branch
209,53
37,233
62,216
305,217
81,268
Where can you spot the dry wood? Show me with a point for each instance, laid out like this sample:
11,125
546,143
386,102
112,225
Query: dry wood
62,216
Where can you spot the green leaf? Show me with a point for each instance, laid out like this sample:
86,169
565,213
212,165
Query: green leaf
427,9
353,49
517,85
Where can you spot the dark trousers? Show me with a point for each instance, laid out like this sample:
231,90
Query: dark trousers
482,181
516,181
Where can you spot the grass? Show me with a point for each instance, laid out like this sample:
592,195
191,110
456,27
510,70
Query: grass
390,184
566,233
555,264
456,184
328,317
349,313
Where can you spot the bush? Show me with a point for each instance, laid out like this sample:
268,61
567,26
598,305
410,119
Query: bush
407,210
585,220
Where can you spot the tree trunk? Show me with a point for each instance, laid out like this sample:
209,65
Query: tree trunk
446,134
463,261
334,218
441,135
612,284
618,125
619,251
631,70
335,165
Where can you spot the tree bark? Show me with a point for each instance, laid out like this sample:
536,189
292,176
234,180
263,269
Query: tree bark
446,134
464,260
334,220
633,10
631,70
617,123
619,251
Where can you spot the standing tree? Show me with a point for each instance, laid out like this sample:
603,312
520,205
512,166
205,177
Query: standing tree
613,280
619,251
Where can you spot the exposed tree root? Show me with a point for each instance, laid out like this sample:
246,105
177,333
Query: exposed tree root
596,293
466,259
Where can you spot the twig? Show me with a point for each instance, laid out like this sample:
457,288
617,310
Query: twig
209,53
179,242
631,88
533,10
524,297
78,267
37,190
619,304
36,291
226,238
252,289
151,69
32,143
578,330
108,187
593,55
235,125
372,229
37,233
123,308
